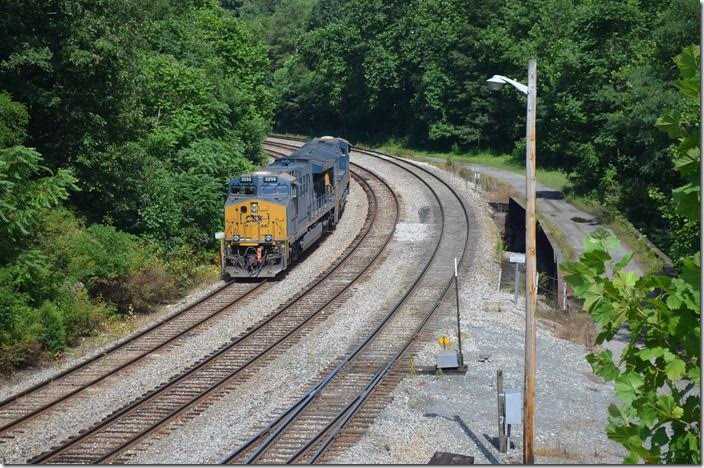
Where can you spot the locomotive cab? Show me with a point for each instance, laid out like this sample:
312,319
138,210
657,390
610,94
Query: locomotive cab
273,216
256,225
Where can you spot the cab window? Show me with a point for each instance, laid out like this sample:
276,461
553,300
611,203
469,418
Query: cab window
273,190
243,190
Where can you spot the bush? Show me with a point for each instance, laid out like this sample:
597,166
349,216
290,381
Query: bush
54,333
75,278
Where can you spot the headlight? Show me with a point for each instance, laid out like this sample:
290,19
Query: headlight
236,238
268,238
255,207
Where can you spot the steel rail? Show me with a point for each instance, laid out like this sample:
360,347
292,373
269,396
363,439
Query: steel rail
15,399
174,414
340,261
346,413
283,421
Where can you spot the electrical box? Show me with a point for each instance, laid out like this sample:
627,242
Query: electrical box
448,359
513,405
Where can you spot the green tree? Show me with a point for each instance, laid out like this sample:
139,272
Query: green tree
658,418
27,189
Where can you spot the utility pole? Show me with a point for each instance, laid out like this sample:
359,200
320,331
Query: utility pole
531,271
496,83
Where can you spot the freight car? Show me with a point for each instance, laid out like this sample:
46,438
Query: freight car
272,216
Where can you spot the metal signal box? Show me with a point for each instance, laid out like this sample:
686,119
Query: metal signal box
513,402
448,359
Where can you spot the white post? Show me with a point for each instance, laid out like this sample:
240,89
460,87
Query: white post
531,271
459,332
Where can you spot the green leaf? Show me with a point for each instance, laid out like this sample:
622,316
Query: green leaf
615,412
600,240
673,301
627,385
687,199
691,270
650,353
668,355
688,62
595,260
603,365
687,163
668,405
671,124
675,368
660,437
625,279
647,414
623,262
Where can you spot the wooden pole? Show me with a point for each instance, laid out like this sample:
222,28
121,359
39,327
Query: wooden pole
500,403
531,271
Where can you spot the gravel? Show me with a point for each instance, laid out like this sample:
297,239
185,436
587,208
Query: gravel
428,413
457,413
116,391
233,419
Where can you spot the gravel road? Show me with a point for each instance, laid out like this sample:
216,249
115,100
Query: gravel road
574,223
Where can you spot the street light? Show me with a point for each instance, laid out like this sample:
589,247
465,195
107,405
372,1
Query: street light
496,83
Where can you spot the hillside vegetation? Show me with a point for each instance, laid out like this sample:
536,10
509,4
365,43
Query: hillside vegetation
416,71
617,113
120,123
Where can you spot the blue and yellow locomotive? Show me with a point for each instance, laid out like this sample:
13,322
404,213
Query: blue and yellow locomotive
274,215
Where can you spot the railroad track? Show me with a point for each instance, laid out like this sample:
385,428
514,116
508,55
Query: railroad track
332,413
116,437
21,408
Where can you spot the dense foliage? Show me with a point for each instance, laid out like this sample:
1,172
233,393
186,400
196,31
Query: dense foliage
120,123
416,70
658,374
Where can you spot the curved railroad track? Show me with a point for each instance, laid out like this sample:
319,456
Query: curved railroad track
327,414
22,407
114,438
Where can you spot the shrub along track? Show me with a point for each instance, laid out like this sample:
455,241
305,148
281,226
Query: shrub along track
341,405
21,408
188,394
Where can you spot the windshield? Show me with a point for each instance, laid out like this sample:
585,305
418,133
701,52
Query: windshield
273,190
243,190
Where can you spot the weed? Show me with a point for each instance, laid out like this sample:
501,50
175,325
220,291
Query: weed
499,250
